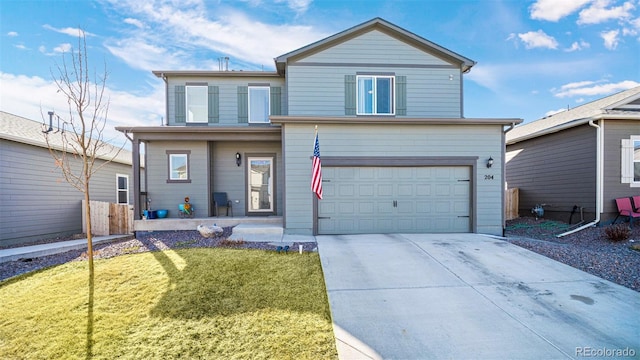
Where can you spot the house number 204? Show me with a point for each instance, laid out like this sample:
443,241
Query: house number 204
488,177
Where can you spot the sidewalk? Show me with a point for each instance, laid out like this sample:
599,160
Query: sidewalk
34,251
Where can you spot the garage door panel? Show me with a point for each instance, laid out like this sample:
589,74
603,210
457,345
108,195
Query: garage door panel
385,190
395,199
405,190
385,173
366,208
423,189
366,190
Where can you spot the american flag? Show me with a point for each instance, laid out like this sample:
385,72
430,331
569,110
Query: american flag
316,173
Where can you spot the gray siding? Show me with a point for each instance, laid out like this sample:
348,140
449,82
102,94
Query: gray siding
316,83
166,195
557,170
212,168
227,94
37,202
388,141
228,177
375,47
614,131
320,90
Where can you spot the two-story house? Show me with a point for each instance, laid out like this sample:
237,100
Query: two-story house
397,153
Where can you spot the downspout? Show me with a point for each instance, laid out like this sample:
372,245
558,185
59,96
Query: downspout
504,175
166,100
599,174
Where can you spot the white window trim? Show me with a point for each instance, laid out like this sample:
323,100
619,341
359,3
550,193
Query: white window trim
118,190
632,161
393,95
186,102
268,88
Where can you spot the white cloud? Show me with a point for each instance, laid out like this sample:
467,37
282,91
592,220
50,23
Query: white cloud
62,48
135,22
538,39
578,84
610,38
12,34
42,49
33,96
144,56
223,32
68,31
598,12
299,6
21,46
554,10
581,45
593,88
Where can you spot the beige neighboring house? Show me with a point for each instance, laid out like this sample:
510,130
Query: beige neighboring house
37,202
581,159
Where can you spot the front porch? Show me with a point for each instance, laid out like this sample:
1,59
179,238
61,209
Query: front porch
246,228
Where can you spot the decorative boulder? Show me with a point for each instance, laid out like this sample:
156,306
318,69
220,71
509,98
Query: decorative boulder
209,231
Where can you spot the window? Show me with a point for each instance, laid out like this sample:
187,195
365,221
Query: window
636,161
631,161
375,95
259,107
122,189
196,104
178,166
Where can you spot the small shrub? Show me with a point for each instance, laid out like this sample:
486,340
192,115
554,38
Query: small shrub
620,232
186,243
231,243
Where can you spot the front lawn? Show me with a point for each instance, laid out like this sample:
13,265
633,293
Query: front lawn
208,303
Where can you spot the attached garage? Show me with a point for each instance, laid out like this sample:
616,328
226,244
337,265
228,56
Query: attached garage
395,199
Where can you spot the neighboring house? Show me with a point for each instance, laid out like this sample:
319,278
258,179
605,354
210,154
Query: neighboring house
397,153
37,202
584,157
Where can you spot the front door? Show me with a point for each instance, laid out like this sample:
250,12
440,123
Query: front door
260,184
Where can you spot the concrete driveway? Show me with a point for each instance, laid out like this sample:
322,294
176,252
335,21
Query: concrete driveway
469,296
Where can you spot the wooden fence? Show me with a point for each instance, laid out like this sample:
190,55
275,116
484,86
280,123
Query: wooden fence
108,218
511,204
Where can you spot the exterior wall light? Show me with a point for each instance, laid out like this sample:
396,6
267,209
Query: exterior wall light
490,162
238,159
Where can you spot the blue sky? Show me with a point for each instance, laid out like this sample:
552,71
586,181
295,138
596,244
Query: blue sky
533,57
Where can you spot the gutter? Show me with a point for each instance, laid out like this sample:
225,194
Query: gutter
599,175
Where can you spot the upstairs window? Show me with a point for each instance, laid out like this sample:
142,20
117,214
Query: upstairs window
259,104
196,104
375,95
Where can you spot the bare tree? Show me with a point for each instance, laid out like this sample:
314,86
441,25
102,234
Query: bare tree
79,144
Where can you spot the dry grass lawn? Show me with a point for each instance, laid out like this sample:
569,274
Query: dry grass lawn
208,303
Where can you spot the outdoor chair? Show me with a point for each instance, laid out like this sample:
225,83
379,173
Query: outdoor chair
636,203
220,199
626,209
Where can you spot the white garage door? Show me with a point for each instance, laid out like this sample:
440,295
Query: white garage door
361,200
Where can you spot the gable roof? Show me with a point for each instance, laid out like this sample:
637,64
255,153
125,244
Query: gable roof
386,27
19,129
622,105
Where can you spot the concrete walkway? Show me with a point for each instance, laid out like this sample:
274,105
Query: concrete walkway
469,296
34,251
